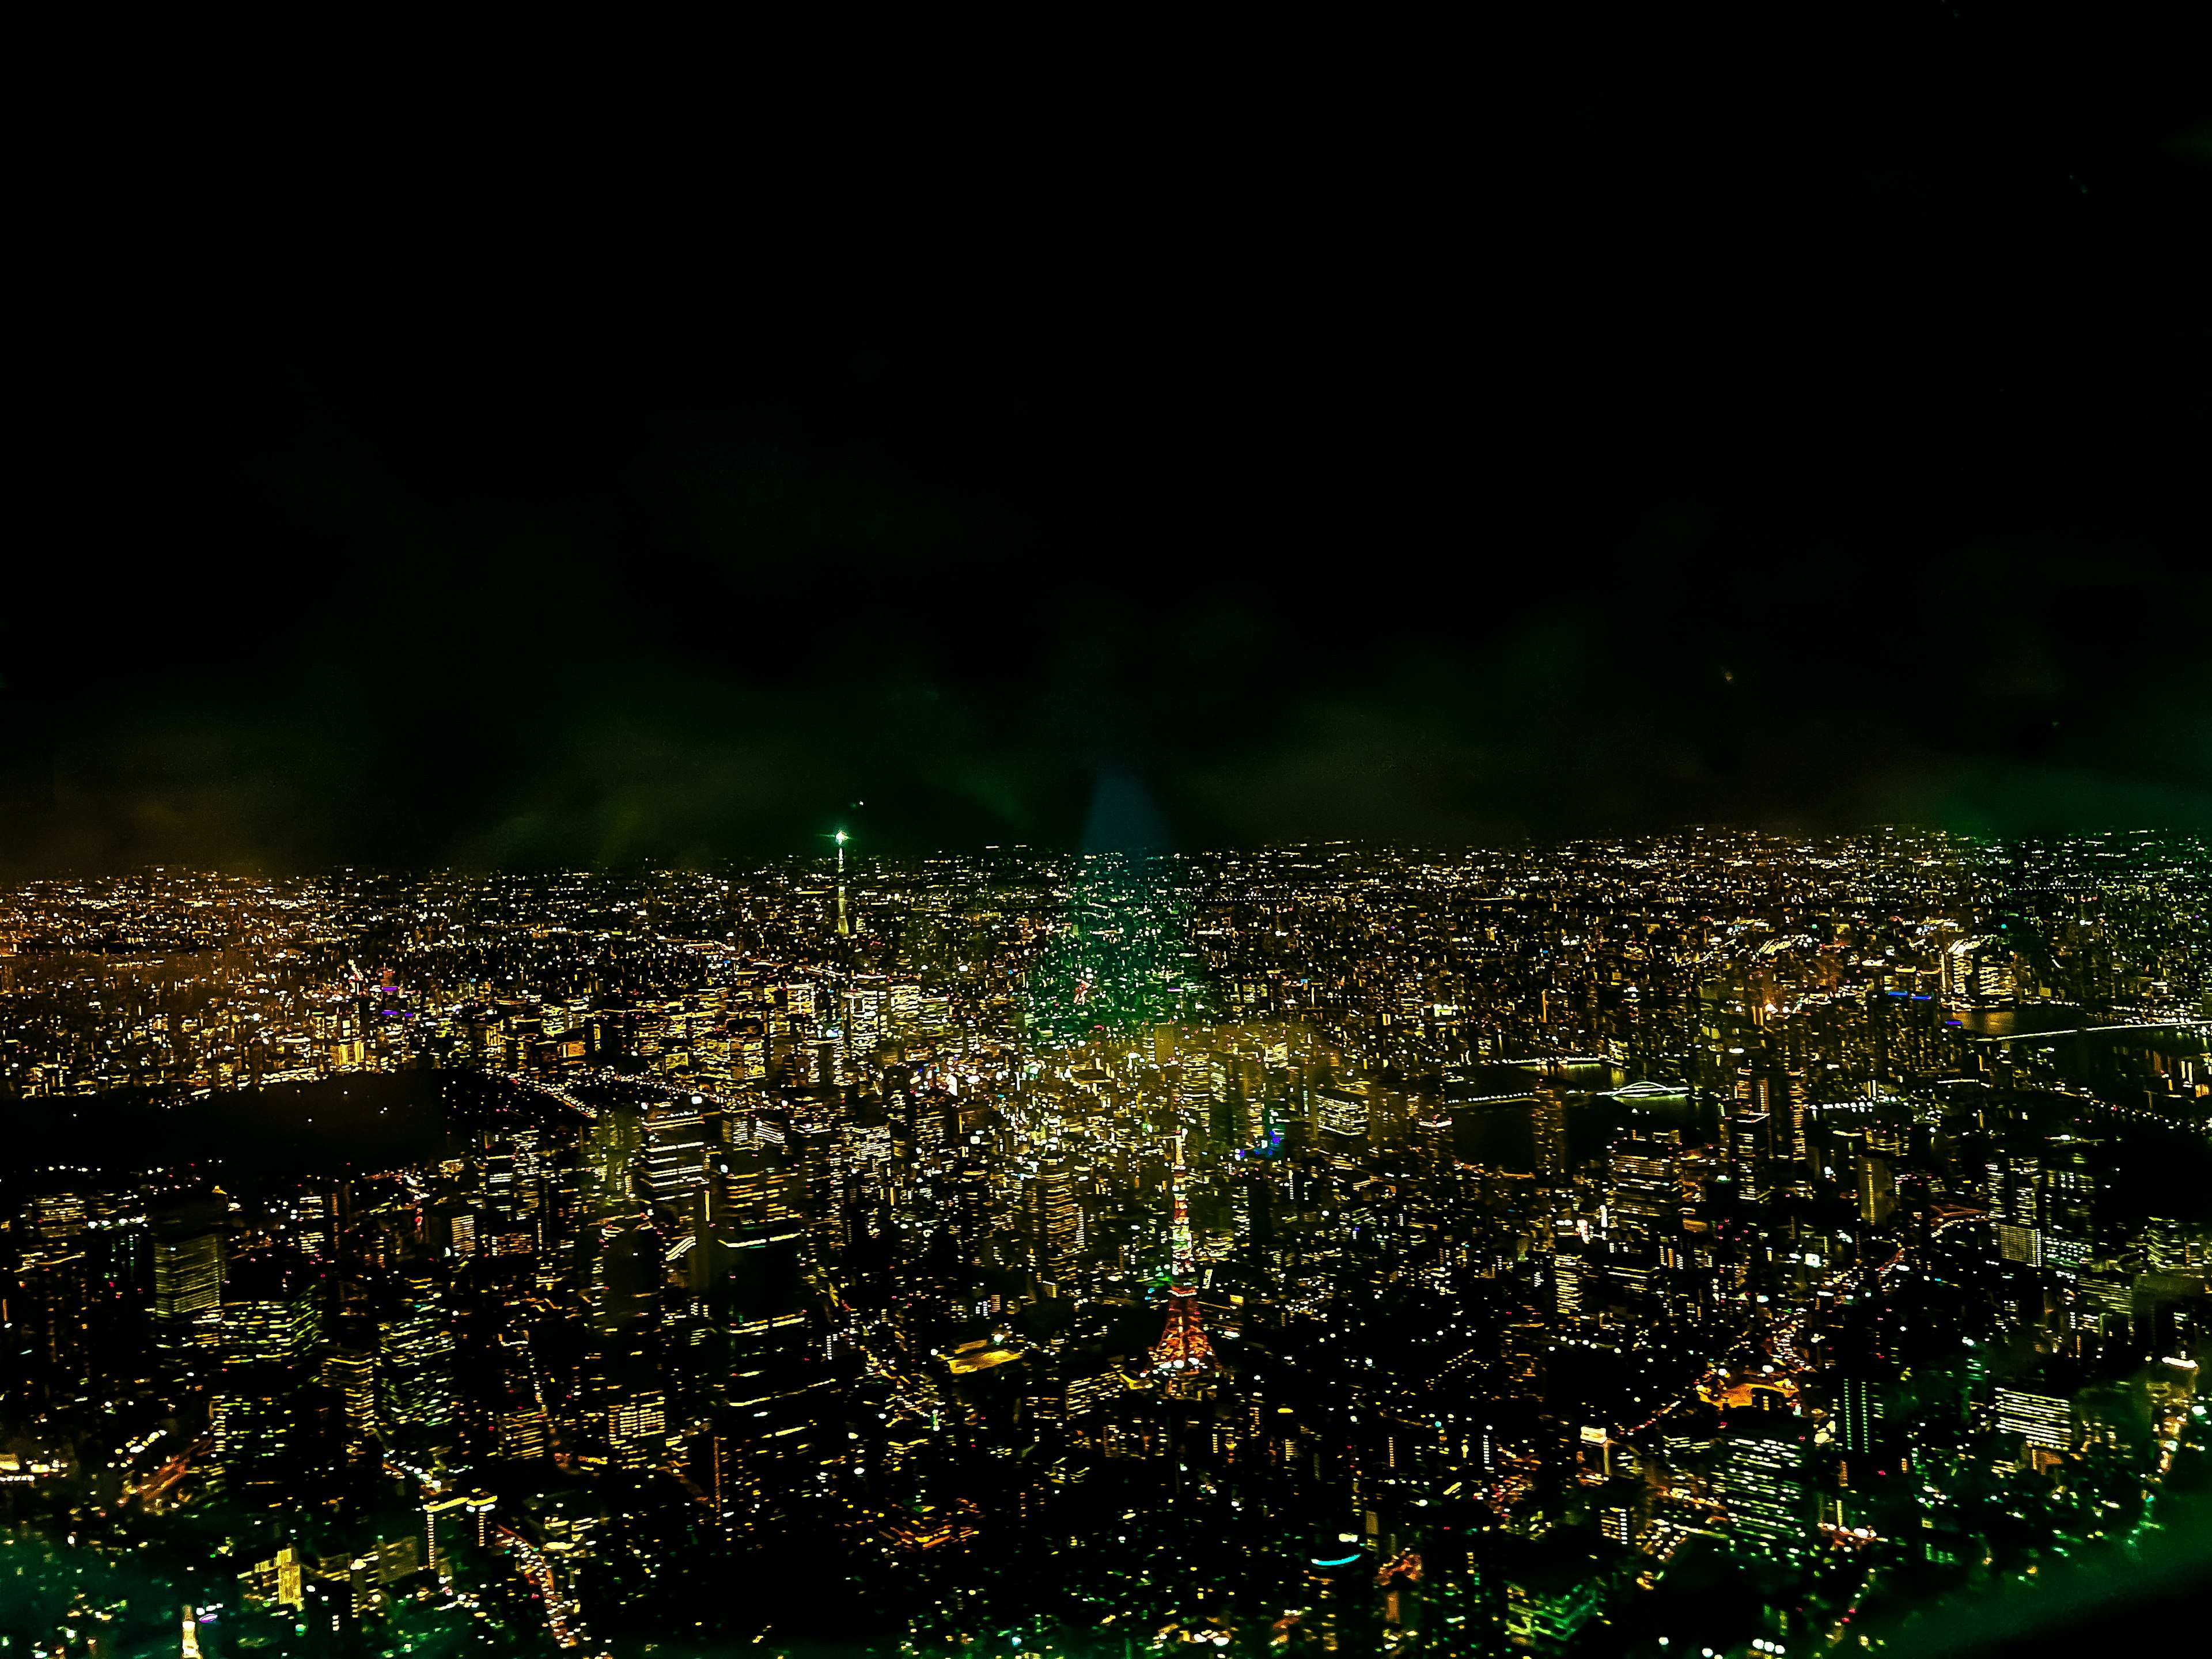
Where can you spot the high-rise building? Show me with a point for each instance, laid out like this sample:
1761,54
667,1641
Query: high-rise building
53,1308
1548,1596
867,1009
1753,1090
2020,1245
776,1390
266,1442
1432,1138
1058,1220
451,1522
637,1430
621,1292
756,1189
1750,1147
1642,1193
1343,1125
350,1375
2016,1189
1979,973
2170,1246
2069,1191
1877,1189
520,1433
674,1152
1762,1481
55,1220
415,1360
2042,1420
277,1324
1862,1409
1567,1284
188,1274
1549,1122
904,1007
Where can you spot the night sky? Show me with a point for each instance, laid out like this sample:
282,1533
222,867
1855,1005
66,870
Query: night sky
1574,442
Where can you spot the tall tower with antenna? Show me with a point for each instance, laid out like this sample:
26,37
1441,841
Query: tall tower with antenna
1182,1353
844,925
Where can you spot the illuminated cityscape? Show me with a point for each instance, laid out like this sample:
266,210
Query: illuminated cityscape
1363,847
1715,1243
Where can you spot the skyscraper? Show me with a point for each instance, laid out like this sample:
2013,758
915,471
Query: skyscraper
54,1310
865,1012
1877,1189
1763,1485
1549,1122
1795,1104
1750,1141
1643,1195
1862,1407
2042,1417
350,1374
2070,1206
188,1268
674,1153
1060,1221
415,1360
264,1430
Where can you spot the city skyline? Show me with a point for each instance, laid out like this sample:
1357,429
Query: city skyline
1286,845
1719,1239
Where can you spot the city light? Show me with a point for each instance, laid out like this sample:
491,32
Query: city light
1260,1248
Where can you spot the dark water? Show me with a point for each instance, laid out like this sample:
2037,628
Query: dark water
2146,1167
2034,1017
2149,1164
361,1121
1504,1134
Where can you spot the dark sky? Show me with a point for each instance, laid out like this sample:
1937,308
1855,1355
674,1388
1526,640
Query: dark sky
1570,441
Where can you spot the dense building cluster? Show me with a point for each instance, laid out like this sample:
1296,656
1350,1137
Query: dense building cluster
1727,1244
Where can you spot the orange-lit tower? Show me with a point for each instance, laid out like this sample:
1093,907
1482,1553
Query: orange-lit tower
1182,1350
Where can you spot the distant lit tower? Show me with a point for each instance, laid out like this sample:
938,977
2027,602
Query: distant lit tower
1182,1350
844,925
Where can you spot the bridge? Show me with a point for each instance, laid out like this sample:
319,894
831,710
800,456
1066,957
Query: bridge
2202,1028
